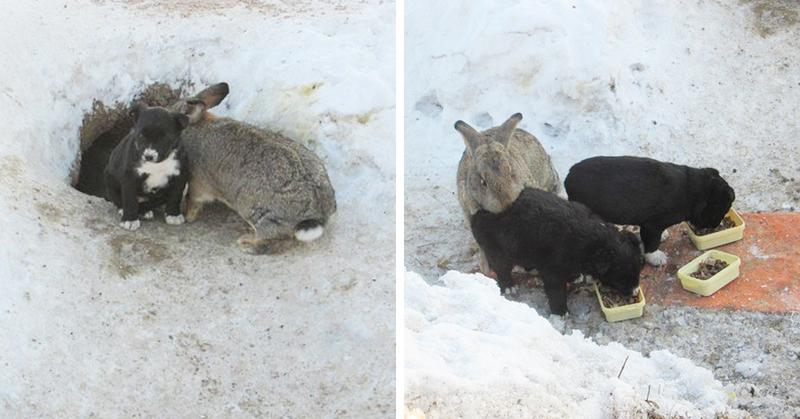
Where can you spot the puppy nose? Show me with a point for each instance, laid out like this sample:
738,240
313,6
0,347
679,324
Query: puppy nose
149,157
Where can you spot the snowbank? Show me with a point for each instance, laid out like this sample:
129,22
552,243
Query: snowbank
472,353
176,321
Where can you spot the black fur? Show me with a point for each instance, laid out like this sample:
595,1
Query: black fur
158,129
562,240
650,194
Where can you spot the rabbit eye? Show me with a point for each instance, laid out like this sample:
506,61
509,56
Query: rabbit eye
483,181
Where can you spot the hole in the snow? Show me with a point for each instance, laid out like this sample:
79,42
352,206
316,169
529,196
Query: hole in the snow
103,128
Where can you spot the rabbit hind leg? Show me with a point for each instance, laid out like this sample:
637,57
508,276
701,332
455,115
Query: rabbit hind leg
254,245
267,238
199,193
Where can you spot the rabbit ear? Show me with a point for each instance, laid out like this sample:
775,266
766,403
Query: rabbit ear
505,131
471,136
194,109
213,95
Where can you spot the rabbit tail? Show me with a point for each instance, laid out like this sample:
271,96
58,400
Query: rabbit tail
309,230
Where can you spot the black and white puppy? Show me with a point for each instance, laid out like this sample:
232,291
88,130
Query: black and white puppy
149,168
562,240
650,194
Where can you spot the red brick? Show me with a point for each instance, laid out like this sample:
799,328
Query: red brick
769,279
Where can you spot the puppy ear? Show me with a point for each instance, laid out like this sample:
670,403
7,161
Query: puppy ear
721,192
698,208
181,120
730,195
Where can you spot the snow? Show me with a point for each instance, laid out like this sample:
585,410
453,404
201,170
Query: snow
757,252
747,368
175,321
702,83
472,353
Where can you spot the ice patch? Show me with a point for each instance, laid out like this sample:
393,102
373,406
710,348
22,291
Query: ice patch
758,253
657,258
747,368
429,105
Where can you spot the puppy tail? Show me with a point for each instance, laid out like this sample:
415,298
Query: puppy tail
309,230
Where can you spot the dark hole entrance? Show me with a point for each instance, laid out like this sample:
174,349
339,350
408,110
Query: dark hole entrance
104,127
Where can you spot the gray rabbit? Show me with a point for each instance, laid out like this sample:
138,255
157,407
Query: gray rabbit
277,185
497,165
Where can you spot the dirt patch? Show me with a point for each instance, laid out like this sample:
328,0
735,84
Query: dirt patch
130,252
49,212
772,16
99,225
10,167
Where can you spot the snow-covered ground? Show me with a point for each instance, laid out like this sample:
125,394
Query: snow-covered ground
703,83
472,353
174,321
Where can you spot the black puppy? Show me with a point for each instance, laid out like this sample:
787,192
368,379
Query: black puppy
148,168
650,194
562,240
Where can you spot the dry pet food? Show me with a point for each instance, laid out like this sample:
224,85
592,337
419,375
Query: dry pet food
724,225
709,268
612,298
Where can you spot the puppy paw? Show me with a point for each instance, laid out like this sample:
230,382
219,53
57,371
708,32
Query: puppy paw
174,219
657,258
130,225
148,215
664,236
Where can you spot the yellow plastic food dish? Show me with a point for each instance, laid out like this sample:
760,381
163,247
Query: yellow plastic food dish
720,237
619,313
706,287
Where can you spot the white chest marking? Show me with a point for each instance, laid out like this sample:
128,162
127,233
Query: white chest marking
158,174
